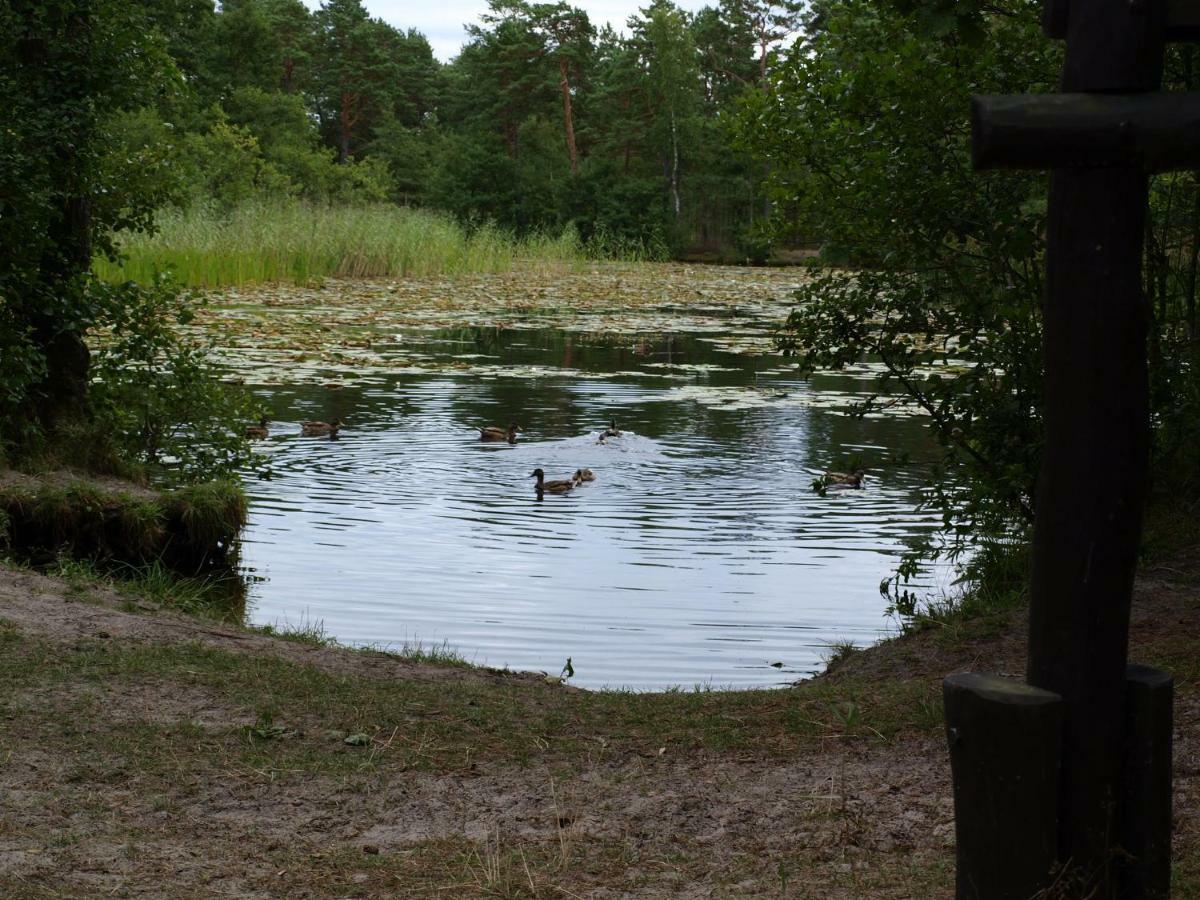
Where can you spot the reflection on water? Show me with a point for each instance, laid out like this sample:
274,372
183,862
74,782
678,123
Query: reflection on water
699,555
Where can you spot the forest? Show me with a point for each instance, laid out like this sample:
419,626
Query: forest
292,313
543,121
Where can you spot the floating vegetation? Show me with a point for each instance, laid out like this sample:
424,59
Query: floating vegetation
353,330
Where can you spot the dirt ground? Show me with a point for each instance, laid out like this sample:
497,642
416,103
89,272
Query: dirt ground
134,761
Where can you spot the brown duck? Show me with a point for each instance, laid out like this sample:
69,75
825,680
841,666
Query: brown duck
496,433
845,479
321,429
582,475
259,431
552,487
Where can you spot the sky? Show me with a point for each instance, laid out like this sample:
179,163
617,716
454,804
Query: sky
441,21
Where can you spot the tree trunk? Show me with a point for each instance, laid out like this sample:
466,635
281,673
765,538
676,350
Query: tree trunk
568,119
68,257
347,120
674,165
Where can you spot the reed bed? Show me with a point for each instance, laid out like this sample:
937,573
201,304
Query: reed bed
298,242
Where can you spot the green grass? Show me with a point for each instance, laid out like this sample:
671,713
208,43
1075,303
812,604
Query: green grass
209,597
187,528
299,242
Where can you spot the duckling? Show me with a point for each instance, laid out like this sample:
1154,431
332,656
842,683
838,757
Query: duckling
582,475
320,429
612,430
844,479
554,487
496,433
259,431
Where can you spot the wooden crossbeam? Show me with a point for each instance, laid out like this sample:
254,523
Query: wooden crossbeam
1155,132
1183,19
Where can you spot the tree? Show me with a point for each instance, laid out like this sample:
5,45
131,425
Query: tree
65,65
366,70
663,41
866,133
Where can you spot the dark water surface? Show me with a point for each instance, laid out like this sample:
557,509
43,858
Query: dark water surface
700,555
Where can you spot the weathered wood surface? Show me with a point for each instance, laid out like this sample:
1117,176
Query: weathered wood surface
1145,814
1005,742
1091,487
1182,18
1153,132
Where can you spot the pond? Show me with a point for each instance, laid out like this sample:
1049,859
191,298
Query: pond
700,555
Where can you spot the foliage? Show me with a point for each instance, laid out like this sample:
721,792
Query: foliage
947,295
158,394
541,122
65,67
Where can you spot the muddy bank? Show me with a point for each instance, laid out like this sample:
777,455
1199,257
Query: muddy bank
143,753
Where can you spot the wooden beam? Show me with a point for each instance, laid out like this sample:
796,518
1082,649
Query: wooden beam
1183,19
1156,132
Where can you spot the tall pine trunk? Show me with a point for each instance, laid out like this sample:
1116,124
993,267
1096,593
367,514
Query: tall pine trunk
568,118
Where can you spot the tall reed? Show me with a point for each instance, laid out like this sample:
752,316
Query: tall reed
298,242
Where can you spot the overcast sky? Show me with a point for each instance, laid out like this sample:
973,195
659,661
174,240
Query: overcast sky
441,21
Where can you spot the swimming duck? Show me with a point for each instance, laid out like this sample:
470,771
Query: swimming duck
320,429
582,475
612,430
259,431
845,479
554,487
496,433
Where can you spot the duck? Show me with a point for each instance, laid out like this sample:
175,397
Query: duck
582,475
320,429
496,433
554,487
612,430
259,431
844,479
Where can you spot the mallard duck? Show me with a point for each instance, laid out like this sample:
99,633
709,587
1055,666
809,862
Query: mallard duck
845,479
259,431
496,433
320,429
612,430
554,487
582,475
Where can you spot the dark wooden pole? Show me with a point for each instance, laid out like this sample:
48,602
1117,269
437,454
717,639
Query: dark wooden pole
1094,464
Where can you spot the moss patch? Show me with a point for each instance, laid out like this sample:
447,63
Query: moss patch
64,514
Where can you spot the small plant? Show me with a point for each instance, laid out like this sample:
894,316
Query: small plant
838,652
266,728
848,714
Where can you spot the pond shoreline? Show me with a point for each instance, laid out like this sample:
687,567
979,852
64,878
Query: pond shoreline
145,749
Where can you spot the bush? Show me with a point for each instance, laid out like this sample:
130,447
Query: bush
156,392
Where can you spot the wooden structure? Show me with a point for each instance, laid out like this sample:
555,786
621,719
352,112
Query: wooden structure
1071,773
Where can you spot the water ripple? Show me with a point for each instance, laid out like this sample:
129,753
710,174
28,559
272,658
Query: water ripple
699,555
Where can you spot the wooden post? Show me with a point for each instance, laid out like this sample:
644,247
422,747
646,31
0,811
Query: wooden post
1005,746
1145,817
1101,137
1095,458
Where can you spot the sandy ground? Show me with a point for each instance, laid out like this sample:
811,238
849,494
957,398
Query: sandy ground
845,819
